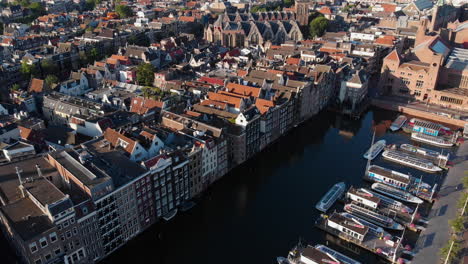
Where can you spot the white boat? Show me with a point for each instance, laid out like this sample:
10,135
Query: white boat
375,149
410,161
282,260
377,230
170,215
424,151
373,216
398,123
396,193
374,200
394,178
342,258
331,196
432,140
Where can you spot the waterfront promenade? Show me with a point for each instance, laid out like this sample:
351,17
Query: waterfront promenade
438,231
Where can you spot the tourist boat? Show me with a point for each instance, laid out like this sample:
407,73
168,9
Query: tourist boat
331,196
170,215
427,127
340,257
374,200
373,216
423,151
410,161
432,140
377,230
396,193
282,260
398,123
375,149
394,178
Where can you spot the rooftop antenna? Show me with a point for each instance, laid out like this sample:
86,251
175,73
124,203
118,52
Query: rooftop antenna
39,172
18,172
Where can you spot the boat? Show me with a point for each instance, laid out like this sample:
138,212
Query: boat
432,140
373,216
309,254
342,258
374,200
282,260
170,215
375,149
377,230
394,178
331,196
423,151
398,123
427,127
396,193
410,161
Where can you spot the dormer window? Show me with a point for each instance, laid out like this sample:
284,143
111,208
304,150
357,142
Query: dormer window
122,143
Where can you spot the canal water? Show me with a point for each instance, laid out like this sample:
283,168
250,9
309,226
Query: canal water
262,209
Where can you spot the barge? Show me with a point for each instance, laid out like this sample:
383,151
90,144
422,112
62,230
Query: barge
433,140
410,161
375,149
396,193
398,123
373,216
331,196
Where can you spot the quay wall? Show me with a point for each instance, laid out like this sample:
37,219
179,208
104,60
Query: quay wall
400,107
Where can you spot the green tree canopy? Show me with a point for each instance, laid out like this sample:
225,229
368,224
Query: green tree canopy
51,80
318,26
15,87
28,70
123,11
49,67
145,74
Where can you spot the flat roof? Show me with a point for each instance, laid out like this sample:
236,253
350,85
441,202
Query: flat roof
44,191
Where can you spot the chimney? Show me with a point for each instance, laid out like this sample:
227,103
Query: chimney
39,172
18,172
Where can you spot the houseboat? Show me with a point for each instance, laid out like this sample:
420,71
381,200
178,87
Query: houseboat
375,149
373,216
375,201
410,161
398,123
427,127
377,230
331,196
394,178
347,229
396,193
432,140
342,258
319,254
435,156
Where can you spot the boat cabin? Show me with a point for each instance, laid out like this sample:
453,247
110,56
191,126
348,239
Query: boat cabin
311,255
362,197
348,226
389,177
426,127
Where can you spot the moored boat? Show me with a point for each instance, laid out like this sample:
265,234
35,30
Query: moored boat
170,215
410,161
374,200
375,229
282,260
340,257
398,123
373,216
396,193
375,149
427,127
394,178
331,196
432,140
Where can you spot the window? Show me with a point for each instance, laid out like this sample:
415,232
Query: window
43,242
65,224
33,247
38,261
72,220
419,83
68,234
75,231
57,251
48,256
405,81
53,237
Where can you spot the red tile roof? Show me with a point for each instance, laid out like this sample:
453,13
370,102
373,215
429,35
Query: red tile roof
293,61
393,56
113,137
36,85
153,161
228,98
243,89
325,10
385,40
142,105
210,80
263,105
389,8
187,19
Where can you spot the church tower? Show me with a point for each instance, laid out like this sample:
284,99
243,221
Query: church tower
435,15
302,12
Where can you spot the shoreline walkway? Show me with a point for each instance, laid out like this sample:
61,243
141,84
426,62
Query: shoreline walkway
438,230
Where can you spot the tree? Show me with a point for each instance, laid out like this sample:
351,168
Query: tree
51,79
465,182
28,70
145,74
37,9
15,87
458,224
93,55
456,248
49,67
123,11
152,92
318,26
461,202
288,3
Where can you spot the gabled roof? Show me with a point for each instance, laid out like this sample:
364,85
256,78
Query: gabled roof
113,137
263,105
141,105
293,61
226,98
394,56
36,85
243,89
